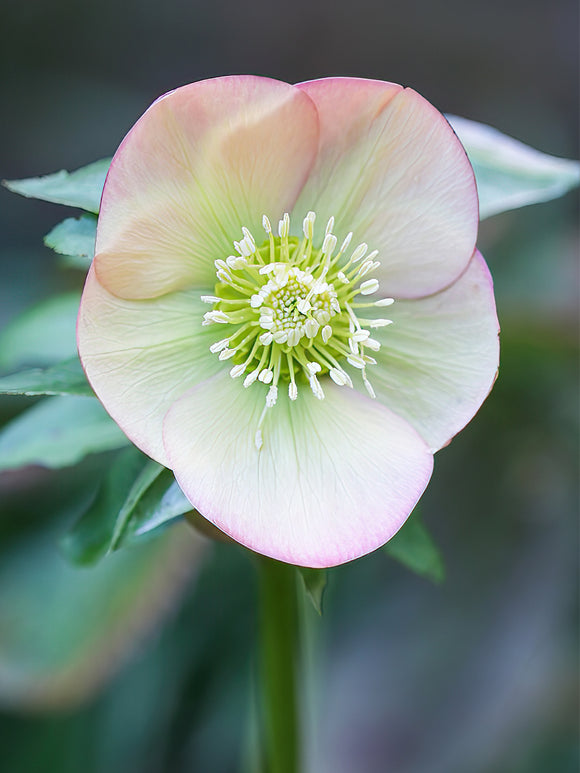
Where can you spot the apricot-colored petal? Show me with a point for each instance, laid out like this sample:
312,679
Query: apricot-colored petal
439,358
141,356
203,161
391,170
334,479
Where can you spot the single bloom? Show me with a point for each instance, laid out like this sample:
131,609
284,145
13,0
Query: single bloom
286,306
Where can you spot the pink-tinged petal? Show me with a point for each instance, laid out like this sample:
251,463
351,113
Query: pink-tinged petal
203,161
439,358
334,479
391,170
141,356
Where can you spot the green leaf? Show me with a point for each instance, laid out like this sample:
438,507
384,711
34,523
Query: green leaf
161,502
314,581
42,335
81,188
510,174
58,432
414,548
136,496
75,238
90,538
66,378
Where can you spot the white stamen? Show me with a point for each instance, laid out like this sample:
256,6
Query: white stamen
272,396
311,327
266,225
256,301
346,242
292,390
249,239
269,267
236,262
250,378
313,367
380,323
316,388
326,333
329,226
294,336
359,253
352,345
266,376
338,376
225,354
356,360
284,226
308,225
385,302
343,278
360,335
303,306
245,248
210,299
280,336
365,268
216,316
266,338
368,287
368,386
219,345
237,370
329,244
370,343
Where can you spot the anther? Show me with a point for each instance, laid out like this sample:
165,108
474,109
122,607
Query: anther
368,287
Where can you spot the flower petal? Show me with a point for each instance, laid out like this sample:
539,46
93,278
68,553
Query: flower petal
334,479
140,356
391,170
203,161
439,358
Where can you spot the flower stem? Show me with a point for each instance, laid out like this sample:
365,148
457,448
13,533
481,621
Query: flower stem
279,639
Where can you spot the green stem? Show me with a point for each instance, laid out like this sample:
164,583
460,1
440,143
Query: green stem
279,639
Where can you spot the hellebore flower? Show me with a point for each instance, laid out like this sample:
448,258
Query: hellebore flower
251,238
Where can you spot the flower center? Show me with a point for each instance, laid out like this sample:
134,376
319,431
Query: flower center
290,312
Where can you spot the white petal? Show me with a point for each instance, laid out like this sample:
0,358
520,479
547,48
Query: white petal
333,480
439,358
140,356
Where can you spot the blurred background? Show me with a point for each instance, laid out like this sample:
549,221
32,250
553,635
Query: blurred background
145,664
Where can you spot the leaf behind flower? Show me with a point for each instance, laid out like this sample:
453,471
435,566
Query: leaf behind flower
81,188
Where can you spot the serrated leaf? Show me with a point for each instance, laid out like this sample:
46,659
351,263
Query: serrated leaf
510,174
42,335
414,548
81,188
58,432
74,238
314,581
65,378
